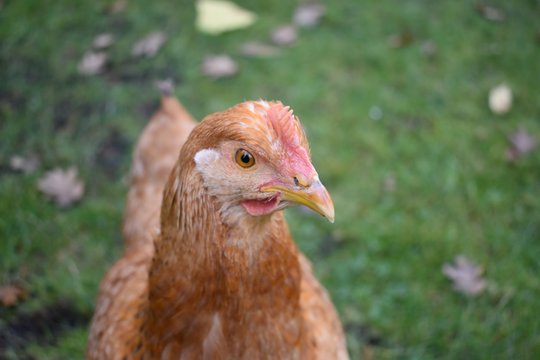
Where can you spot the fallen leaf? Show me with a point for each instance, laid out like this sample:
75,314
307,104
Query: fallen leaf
92,63
500,99
308,15
389,184
118,6
62,186
284,35
25,164
149,45
103,41
429,49
10,295
521,143
219,66
400,40
165,86
258,49
217,16
490,12
465,275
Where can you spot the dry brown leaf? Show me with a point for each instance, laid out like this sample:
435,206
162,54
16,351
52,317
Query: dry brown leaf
308,15
103,41
10,295
92,63
389,184
258,49
118,6
62,186
521,143
165,86
490,12
500,99
149,45
429,49
26,165
465,275
219,66
400,40
284,35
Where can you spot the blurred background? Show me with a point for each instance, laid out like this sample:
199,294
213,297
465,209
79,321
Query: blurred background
423,118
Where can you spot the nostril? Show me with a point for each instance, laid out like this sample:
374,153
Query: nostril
296,182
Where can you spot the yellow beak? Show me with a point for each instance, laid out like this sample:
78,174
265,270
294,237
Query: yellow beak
315,197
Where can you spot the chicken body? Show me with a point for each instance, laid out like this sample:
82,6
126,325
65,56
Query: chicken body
223,279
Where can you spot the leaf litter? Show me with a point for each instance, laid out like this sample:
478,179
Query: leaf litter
62,186
219,66
218,16
465,276
103,41
92,63
308,15
403,39
149,45
258,49
284,35
490,12
118,6
521,143
10,295
23,164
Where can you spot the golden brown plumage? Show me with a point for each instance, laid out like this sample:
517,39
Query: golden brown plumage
224,279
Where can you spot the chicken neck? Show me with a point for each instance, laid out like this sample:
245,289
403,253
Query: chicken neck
212,284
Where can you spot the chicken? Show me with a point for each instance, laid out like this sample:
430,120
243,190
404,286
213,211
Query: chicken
155,155
223,279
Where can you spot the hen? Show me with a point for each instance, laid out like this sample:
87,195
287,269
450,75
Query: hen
223,279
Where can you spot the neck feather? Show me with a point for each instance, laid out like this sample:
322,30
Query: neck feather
204,266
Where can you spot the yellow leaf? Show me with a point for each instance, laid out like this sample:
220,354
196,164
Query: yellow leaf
217,16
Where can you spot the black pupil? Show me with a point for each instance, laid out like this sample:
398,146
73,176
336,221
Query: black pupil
245,157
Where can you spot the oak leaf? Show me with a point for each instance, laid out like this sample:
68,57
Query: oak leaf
26,165
284,35
149,45
308,15
103,41
219,66
92,63
62,186
465,275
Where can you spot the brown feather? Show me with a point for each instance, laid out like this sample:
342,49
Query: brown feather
200,295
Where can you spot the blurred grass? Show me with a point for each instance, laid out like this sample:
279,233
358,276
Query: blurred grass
454,191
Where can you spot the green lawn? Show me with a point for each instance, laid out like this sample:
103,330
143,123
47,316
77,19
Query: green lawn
425,181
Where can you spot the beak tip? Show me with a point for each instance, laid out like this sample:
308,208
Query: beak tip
330,215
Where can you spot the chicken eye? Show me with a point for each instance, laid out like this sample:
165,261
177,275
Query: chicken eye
244,158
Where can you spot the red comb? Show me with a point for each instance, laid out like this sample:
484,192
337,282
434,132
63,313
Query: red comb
282,120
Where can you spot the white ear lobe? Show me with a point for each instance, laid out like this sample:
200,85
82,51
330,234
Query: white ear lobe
206,158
